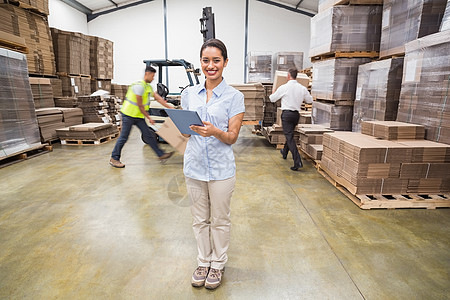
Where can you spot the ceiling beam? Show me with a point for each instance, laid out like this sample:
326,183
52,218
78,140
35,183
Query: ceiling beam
78,6
300,11
115,4
92,16
298,4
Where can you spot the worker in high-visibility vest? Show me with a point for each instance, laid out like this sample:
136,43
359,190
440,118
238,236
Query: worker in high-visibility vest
134,112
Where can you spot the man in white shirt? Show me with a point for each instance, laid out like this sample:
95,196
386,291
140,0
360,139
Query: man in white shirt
292,95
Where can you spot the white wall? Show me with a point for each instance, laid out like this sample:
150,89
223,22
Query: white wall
64,17
138,34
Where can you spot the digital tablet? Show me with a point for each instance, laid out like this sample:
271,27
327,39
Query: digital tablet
184,118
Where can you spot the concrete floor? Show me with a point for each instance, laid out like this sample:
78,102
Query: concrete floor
72,227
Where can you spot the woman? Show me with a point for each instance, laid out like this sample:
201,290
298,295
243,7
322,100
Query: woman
209,165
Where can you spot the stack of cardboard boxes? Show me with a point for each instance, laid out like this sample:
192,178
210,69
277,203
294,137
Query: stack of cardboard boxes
89,132
254,95
119,90
342,38
102,66
42,92
310,138
367,165
33,29
19,129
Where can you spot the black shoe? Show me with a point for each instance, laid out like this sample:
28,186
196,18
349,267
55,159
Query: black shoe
282,154
296,168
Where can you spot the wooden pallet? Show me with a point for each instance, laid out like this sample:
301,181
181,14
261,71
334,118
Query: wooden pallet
346,54
428,201
84,142
73,75
337,102
24,155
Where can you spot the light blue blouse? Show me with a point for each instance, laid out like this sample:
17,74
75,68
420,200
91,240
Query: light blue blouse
207,158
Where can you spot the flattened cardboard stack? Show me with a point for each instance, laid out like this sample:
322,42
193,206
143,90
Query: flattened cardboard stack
274,134
259,66
71,52
445,25
42,92
405,21
88,131
56,84
366,165
270,108
332,116
73,86
119,90
391,130
346,28
49,120
101,58
96,109
40,6
283,61
425,92
377,91
254,94
71,116
33,28
100,84
311,137
19,129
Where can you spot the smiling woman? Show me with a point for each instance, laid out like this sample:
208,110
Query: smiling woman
209,165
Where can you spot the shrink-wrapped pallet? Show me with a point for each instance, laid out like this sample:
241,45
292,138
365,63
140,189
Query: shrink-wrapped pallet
405,21
424,96
346,28
259,67
19,129
377,91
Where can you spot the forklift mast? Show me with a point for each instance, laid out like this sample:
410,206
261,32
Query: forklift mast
207,27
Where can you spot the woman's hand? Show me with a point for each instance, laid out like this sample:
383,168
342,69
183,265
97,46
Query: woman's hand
208,130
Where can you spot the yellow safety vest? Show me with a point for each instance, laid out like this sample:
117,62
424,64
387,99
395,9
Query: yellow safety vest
130,107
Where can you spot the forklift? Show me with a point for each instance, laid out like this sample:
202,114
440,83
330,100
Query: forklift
157,111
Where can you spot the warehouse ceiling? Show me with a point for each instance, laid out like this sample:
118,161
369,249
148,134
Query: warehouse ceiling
94,8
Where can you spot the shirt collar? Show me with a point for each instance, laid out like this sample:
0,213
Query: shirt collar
218,90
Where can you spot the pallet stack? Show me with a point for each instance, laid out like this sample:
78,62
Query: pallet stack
259,67
283,61
310,138
366,165
19,131
119,90
270,108
72,61
377,91
49,119
17,23
88,134
42,92
254,95
425,90
353,39
101,67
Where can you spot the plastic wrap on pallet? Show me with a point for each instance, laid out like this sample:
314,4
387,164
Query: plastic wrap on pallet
283,61
335,79
259,67
405,21
71,52
19,129
332,116
346,28
33,28
445,25
101,58
325,4
377,91
425,92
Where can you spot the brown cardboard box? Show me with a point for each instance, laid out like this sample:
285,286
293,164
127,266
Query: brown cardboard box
281,78
170,133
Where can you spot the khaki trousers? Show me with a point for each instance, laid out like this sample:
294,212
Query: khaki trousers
211,213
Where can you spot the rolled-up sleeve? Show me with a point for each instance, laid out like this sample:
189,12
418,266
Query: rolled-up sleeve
185,99
238,105
307,96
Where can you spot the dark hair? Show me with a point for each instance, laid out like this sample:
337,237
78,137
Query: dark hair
150,69
216,44
293,72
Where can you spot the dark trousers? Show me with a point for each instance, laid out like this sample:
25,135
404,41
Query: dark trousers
289,119
148,136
